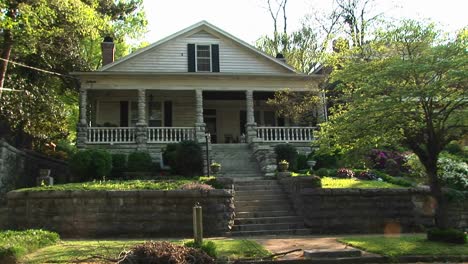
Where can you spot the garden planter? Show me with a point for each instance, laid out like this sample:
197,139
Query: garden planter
44,172
283,167
215,169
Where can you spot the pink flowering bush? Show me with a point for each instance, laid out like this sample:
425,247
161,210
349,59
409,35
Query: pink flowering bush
344,173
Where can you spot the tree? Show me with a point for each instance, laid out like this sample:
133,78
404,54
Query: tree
53,35
408,86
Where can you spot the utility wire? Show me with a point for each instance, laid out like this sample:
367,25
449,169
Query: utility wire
38,69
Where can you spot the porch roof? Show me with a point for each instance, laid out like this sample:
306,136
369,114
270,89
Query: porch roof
213,75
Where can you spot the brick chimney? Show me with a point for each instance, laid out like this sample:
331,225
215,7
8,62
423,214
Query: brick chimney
281,57
108,50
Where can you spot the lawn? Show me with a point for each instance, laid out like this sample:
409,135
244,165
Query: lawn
15,244
98,185
404,245
76,250
328,182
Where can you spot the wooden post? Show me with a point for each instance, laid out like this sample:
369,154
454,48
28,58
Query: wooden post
198,224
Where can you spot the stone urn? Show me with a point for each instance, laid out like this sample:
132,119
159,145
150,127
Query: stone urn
44,178
44,173
311,164
215,167
283,166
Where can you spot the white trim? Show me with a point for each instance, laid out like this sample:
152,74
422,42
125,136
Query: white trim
202,25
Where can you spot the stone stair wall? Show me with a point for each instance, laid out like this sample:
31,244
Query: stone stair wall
236,161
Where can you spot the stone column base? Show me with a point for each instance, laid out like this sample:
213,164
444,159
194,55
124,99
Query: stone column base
141,136
81,135
251,131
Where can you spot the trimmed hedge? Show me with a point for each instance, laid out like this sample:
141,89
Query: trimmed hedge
139,161
189,159
119,165
91,164
447,235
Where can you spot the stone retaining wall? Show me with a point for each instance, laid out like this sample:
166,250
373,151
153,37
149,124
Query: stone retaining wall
19,169
368,210
120,213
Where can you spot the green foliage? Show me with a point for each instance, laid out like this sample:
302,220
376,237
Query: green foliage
333,183
325,160
119,165
322,172
416,169
209,247
393,180
454,148
447,235
404,245
91,164
453,173
189,159
174,183
302,162
139,161
287,152
392,167
169,155
15,244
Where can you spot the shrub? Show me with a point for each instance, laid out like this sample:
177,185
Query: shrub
344,173
119,165
394,180
302,162
316,182
454,148
188,159
392,167
196,186
415,167
139,161
213,181
367,175
14,244
65,146
322,172
325,160
447,235
91,164
169,155
378,159
453,173
287,152
209,247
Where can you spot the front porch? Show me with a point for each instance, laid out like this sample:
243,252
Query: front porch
144,117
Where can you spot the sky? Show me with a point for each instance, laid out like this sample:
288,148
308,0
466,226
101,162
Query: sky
250,19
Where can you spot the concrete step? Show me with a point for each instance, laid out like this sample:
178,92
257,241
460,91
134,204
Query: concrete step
276,226
333,254
298,232
263,208
275,188
260,203
268,220
277,213
241,198
246,179
259,182
256,192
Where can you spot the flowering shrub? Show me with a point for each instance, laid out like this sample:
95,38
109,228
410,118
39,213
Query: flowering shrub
344,173
367,175
379,159
196,186
453,173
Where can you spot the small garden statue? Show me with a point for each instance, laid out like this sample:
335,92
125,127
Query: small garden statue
215,167
44,178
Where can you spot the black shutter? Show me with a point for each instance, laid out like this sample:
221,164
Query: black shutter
191,57
124,113
215,57
168,114
281,121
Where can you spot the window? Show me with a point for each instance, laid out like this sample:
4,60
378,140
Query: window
154,114
203,58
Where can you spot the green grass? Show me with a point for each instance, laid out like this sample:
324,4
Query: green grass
97,185
73,250
328,182
404,245
15,244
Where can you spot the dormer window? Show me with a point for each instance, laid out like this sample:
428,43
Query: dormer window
203,57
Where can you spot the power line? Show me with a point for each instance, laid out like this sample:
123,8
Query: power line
38,69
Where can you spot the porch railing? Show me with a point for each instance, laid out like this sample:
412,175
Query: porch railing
286,134
170,134
104,135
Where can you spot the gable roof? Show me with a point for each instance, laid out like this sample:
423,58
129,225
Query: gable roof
202,25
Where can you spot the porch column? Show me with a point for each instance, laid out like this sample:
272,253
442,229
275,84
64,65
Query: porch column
141,125
81,127
199,123
251,126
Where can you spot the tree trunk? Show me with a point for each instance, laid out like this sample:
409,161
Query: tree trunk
441,209
7,46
